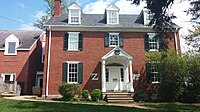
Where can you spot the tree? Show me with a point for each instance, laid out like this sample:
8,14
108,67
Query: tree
39,22
172,69
193,39
161,16
179,74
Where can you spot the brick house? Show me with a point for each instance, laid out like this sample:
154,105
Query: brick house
105,51
20,54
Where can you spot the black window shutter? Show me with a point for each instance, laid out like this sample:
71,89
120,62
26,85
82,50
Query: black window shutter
160,40
65,41
146,42
106,39
121,39
80,73
148,73
64,74
80,43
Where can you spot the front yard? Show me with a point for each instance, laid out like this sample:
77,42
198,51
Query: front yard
28,106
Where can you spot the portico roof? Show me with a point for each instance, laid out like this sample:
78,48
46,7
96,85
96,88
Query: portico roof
120,51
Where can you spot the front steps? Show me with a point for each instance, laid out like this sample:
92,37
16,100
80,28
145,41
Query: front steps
119,97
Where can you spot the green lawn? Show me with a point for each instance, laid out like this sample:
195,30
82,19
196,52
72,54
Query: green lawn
27,106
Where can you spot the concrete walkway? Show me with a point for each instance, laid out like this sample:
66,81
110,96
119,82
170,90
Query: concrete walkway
39,99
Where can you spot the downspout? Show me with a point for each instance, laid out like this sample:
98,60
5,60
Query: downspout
48,63
176,43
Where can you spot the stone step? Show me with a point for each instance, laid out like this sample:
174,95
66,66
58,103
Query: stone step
120,101
116,96
119,97
8,94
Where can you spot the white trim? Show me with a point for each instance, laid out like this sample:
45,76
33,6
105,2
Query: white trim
48,63
106,28
122,53
176,43
72,61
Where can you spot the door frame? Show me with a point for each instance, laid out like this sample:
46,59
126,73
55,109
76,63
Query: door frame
121,84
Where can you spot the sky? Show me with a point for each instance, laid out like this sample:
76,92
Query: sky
21,14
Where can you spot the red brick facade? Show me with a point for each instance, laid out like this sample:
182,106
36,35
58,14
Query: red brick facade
24,64
90,56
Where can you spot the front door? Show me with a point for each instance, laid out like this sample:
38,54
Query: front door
113,79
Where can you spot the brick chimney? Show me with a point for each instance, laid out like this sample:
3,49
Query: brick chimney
57,9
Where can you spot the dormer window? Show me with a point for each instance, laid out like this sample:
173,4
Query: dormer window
11,44
74,16
11,47
112,17
148,16
112,14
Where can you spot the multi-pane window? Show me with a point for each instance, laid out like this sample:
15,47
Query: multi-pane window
122,74
9,78
107,75
153,42
73,41
73,73
113,39
154,73
112,17
11,47
149,17
75,16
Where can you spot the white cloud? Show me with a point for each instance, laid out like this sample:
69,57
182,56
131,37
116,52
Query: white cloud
126,7
38,14
28,27
21,5
97,7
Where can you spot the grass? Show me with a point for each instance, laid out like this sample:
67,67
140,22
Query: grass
27,106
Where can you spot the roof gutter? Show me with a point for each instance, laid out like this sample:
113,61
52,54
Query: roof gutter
48,63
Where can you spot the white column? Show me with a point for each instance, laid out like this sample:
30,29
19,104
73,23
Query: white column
131,76
103,74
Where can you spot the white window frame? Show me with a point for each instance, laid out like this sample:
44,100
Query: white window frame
69,41
152,36
108,17
110,39
154,75
70,16
72,62
12,77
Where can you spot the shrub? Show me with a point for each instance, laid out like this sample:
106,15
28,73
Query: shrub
85,94
139,96
68,91
96,94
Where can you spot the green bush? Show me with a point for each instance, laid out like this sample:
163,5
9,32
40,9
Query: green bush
85,94
68,91
139,96
96,94
142,95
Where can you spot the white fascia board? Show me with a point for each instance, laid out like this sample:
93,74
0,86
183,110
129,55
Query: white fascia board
99,28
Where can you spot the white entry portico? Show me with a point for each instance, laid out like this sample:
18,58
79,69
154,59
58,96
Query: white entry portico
117,71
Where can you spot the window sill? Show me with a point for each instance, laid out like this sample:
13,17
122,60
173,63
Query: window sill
10,54
155,82
73,82
153,50
73,50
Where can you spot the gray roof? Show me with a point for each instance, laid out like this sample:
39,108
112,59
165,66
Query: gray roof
125,20
26,37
